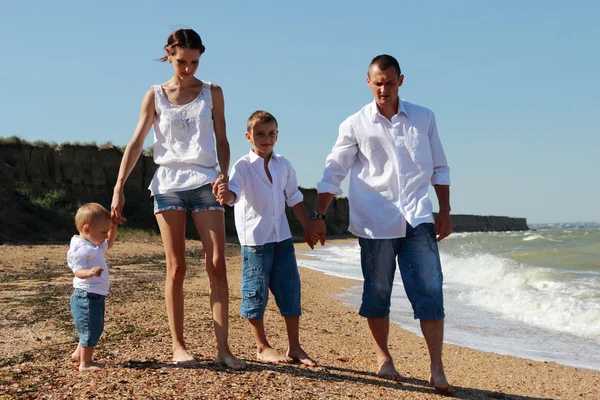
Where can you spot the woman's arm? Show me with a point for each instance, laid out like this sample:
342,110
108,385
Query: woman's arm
218,114
132,151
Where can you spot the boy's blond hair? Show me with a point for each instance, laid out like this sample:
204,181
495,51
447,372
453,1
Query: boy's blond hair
260,117
89,214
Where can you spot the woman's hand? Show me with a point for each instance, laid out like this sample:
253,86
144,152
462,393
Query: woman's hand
116,207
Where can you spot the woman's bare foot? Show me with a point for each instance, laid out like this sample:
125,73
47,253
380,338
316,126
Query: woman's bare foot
90,367
271,355
387,370
181,355
440,383
300,355
231,361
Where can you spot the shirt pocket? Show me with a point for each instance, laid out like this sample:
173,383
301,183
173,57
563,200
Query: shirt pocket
418,147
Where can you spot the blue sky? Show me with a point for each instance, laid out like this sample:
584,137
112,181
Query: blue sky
514,84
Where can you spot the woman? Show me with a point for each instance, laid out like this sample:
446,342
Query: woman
189,120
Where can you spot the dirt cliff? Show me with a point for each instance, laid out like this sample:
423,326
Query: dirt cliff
41,187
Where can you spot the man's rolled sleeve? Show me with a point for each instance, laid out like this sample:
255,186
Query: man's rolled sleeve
441,170
338,163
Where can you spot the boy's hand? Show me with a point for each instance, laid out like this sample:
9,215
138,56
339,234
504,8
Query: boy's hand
96,271
224,195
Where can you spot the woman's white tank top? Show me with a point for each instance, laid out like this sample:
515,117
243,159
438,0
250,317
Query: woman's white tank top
184,143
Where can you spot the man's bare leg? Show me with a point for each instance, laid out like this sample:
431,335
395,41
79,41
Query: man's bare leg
433,331
379,329
295,351
264,351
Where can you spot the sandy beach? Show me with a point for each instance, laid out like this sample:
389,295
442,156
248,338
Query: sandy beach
37,337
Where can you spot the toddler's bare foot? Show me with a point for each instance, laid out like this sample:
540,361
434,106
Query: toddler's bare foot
75,356
231,361
271,355
180,355
90,367
301,356
387,370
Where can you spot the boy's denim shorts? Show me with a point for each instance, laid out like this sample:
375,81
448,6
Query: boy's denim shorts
88,313
271,266
420,268
197,200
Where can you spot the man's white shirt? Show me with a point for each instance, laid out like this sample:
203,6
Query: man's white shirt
391,165
260,205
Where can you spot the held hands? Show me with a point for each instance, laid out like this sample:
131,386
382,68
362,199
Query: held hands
315,233
116,207
443,225
222,192
96,271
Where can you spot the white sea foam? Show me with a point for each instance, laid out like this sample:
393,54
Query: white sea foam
488,294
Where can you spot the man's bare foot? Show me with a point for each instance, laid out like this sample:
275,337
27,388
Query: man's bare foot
387,370
231,361
180,355
91,367
300,355
271,355
440,383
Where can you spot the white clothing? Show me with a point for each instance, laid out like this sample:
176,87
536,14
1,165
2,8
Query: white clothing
391,165
259,204
84,254
184,143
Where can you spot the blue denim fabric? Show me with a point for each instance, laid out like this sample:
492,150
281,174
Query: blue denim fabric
88,313
271,266
197,200
420,268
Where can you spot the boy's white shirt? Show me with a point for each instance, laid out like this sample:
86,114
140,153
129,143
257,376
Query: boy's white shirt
259,204
84,254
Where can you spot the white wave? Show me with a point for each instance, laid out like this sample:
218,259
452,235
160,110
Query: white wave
536,296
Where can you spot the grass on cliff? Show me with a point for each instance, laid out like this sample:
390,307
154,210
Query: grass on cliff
17,141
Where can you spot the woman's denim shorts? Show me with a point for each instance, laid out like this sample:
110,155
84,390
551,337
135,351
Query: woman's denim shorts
88,313
197,200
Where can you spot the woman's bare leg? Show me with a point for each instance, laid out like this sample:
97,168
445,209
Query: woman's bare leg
172,231
211,227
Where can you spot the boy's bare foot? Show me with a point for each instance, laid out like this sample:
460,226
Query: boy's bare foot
387,370
180,355
91,367
271,355
301,356
440,383
231,361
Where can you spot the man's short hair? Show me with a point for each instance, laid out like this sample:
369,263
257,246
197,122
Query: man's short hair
384,61
260,117
89,214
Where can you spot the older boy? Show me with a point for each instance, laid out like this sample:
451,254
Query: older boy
261,183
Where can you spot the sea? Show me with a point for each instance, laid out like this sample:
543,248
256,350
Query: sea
532,294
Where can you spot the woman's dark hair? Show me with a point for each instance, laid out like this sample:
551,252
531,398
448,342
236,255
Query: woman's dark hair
186,38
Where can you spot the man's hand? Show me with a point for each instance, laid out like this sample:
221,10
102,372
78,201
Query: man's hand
316,232
443,225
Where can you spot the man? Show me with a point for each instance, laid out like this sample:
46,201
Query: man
392,150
